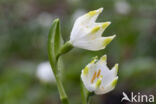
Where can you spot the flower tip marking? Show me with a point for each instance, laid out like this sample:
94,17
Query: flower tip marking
85,71
94,60
95,29
105,25
114,82
104,58
116,67
94,12
108,40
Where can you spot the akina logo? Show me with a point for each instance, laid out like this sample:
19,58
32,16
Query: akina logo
138,97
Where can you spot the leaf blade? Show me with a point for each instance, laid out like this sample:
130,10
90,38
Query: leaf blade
55,42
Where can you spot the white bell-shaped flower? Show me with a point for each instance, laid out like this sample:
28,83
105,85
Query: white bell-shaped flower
87,34
98,78
44,73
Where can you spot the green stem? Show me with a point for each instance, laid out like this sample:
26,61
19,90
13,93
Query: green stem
63,95
64,49
84,93
90,94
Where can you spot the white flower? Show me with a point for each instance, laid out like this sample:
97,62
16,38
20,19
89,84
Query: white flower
87,34
44,72
122,7
98,78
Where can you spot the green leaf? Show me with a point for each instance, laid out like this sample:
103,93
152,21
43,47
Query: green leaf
55,42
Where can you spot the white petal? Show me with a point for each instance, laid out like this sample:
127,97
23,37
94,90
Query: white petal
94,45
78,31
103,26
94,31
45,73
90,17
108,75
87,80
103,60
84,22
114,70
107,88
87,74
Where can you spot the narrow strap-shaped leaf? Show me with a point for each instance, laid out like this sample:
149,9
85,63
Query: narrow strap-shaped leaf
55,42
58,42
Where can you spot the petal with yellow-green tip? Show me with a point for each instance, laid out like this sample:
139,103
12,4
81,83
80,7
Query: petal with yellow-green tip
95,12
94,60
105,25
85,71
114,70
107,40
103,58
114,82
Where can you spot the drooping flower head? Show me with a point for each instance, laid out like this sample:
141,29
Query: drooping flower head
87,34
98,78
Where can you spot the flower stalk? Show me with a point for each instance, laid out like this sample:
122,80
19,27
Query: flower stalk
63,95
64,49
54,44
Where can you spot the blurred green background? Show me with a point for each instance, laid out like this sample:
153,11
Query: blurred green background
24,27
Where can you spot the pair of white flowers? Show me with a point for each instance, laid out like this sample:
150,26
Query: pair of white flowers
87,34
